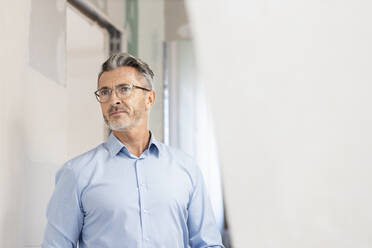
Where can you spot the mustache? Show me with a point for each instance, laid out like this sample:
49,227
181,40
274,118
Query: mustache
116,108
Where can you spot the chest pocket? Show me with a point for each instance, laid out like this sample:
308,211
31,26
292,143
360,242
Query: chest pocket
170,191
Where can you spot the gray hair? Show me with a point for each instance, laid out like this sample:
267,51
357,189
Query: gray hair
125,59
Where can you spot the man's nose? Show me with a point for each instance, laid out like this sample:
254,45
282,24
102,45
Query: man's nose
114,99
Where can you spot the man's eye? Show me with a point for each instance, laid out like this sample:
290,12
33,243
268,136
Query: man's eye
124,89
104,92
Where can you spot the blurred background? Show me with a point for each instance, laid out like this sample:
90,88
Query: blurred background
272,98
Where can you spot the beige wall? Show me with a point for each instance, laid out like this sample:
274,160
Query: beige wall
289,83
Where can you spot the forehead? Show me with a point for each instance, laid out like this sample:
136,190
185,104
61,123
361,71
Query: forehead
124,74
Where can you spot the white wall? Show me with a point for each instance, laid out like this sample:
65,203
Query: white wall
45,117
87,49
44,121
289,83
65,121
13,19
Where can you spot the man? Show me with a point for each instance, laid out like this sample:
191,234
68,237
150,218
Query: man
131,191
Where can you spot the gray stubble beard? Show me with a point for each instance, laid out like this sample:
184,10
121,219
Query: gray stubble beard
118,126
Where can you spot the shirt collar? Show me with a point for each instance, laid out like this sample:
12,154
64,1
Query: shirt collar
114,145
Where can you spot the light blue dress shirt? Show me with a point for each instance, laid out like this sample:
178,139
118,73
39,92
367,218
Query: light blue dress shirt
108,198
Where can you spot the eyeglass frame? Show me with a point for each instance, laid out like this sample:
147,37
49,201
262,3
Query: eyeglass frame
116,93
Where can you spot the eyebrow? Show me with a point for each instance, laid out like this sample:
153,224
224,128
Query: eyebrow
105,87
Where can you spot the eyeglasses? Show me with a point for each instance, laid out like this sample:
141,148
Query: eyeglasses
122,91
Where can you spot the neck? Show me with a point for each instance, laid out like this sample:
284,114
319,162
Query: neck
136,140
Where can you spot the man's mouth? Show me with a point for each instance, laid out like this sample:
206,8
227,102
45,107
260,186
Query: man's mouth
117,112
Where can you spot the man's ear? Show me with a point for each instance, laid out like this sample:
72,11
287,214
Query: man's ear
150,99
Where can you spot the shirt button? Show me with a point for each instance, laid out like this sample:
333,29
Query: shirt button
145,211
147,239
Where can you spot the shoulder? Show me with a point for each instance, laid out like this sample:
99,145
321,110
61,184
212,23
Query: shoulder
83,164
175,154
179,158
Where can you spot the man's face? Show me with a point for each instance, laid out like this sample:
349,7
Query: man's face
123,114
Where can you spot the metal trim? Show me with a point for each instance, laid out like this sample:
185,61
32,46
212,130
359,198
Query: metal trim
94,14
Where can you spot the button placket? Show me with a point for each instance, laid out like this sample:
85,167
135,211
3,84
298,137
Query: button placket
142,186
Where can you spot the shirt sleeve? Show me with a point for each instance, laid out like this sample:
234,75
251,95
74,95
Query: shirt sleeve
64,212
203,230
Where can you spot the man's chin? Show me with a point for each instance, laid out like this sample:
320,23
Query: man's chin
121,125
118,127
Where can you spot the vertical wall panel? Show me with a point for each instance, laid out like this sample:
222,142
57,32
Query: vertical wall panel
289,84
